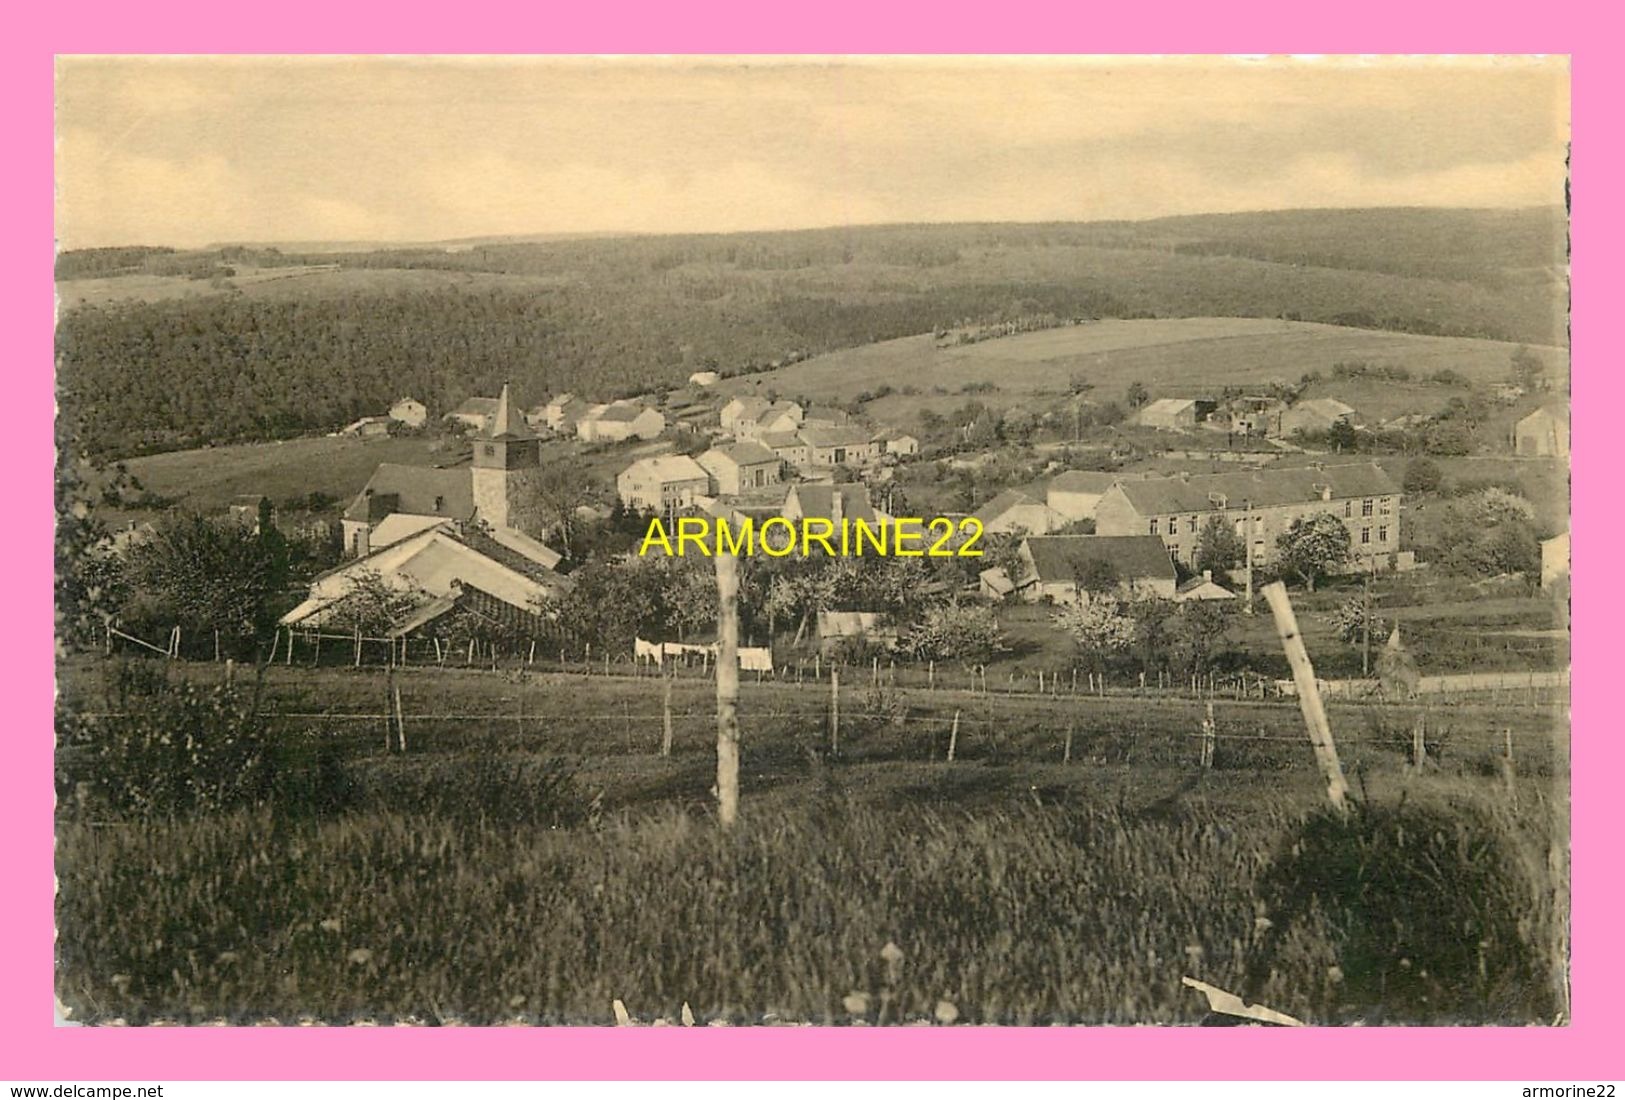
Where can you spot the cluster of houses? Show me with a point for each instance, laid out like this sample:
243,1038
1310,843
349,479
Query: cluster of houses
1145,526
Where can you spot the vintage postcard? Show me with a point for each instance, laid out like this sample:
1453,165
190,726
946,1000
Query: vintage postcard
812,541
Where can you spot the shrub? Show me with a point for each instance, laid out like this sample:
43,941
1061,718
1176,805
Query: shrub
1436,914
1422,475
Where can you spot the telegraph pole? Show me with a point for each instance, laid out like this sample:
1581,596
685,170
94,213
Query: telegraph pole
1247,536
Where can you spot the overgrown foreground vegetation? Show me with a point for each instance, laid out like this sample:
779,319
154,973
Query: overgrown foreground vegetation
276,881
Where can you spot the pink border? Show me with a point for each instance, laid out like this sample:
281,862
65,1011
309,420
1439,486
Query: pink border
30,1047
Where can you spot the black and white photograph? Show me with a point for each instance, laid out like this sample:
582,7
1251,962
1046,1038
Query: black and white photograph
735,541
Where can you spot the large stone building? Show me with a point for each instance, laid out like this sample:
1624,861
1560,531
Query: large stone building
1261,505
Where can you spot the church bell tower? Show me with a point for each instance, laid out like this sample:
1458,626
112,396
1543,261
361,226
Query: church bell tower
507,470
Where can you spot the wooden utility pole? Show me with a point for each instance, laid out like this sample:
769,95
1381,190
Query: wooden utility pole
1314,711
727,569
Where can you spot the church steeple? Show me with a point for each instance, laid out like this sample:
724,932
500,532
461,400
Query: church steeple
507,469
503,423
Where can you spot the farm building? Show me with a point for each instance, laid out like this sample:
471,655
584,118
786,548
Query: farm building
619,421
1315,415
742,408
736,467
1070,568
994,583
901,444
410,490
1203,588
1169,413
475,413
825,416
368,427
1544,432
558,415
843,445
1266,501
1554,560
790,448
704,378
436,562
662,483
832,502
837,629
1014,512
1255,416
409,411
1075,493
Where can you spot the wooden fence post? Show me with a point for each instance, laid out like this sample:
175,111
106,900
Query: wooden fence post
1309,701
400,717
931,677
1066,757
231,669
727,570
1419,746
666,678
953,738
1210,737
834,709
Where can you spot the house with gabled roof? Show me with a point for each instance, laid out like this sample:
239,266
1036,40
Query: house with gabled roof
620,420
840,445
474,414
746,408
1544,432
663,483
1014,512
790,448
409,411
1170,414
1261,505
1072,568
1315,415
736,467
1074,493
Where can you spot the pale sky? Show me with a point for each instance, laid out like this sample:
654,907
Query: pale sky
187,151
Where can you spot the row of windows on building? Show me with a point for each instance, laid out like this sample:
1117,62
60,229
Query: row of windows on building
1369,506
1368,537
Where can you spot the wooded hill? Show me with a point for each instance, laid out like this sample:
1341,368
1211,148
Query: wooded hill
245,358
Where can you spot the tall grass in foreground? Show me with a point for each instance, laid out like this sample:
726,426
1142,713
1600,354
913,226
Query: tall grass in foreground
1018,916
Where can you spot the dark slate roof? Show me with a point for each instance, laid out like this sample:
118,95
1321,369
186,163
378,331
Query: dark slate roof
1059,558
489,547
819,500
413,489
1262,488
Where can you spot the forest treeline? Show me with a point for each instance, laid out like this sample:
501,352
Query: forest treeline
610,317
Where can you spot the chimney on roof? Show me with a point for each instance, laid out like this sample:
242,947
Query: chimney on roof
1207,574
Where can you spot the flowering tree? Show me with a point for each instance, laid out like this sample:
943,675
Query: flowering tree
1098,626
1313,546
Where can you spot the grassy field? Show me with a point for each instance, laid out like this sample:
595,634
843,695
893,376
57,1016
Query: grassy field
1170,357
530,863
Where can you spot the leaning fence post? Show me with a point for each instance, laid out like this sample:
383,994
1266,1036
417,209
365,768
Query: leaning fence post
1309,701
400,717
1210,736
1066,757
953,738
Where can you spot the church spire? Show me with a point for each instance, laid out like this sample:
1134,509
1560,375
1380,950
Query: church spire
502,423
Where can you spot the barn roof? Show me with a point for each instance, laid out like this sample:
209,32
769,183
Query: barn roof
740,454
668,468
841,435
476,406
1060,558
